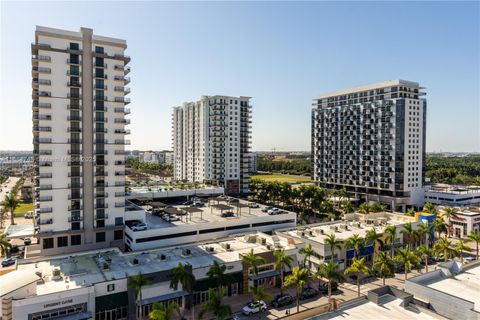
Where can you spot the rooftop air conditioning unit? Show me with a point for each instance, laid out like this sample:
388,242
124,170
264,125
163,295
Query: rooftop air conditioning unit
321,231
135,261
186,252
56,274
163,257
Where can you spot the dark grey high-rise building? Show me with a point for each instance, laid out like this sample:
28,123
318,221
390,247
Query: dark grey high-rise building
371,140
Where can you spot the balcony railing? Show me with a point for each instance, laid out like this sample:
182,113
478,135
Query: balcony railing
76,196
75,208
44,222
74,118
101,216
119,204
101,119
45,175
120,120
74,129
101,206
74,152
75,219
41,58
74,84
73,95
104,109
45,198
122,99
73,61
101,152
101,130
73,73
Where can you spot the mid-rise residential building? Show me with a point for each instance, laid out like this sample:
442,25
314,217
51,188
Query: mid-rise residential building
253,162
371,140
211,141
79,99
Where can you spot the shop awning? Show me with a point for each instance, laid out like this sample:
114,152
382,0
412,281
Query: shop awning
263,275
77,316
164,297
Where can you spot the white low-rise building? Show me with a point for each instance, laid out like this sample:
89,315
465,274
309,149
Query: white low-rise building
452,195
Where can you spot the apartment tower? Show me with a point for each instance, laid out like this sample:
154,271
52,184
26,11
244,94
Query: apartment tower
79,99
211,141
371,140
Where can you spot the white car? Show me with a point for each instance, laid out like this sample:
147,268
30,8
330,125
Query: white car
253,205
171,218
273,211
254,307
139,227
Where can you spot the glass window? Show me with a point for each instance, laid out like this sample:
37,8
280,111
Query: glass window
76,240
48,243
100,237
62,241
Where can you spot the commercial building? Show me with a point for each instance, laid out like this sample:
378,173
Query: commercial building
464,222
96,284
211,141
79,99
452,290
452,195
371,140
353,224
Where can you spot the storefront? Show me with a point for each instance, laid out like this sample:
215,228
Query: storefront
112,307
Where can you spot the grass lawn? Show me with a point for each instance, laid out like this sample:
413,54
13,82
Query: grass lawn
22,208
281,178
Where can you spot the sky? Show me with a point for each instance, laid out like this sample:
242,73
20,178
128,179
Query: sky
282,54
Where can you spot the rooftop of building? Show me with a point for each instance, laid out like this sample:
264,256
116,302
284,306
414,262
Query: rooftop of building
378,85
461,282
355,223
78,34
73,271
388,307
452,188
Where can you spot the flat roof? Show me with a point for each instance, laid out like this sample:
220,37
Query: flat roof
15,280
389,307
465,285
92,267
372,86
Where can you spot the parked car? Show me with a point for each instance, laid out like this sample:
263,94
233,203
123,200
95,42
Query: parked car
197,205
282,300
253,205
308,293
187,203
265,209
273,211
323,288
8,262
171,218
28,215
254,307
27,241
139,227
228,214
233,200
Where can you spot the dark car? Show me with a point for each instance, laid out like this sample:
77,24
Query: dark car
8,262
187,203
198,205
323,288
228,214
282,300
308,293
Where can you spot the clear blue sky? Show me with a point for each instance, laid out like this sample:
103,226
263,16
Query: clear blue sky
282,54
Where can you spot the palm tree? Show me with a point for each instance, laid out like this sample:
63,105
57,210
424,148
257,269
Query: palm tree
411,212
375,238
425,233
461,247
445,246
384,264
474,236
430,208
348,207
408,258
10,203
356,242
253,261
217,272
215,306
332,241
357,268
449,213
298,278
375,207
259,293
181,274
424,252
282,260
162,311
391,232
409,234
330,272
308,252
4,245
137,283
363,208
440,226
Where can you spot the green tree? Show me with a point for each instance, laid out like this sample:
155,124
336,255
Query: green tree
374,207
356,242
217,272
430,208
182,275
348,207
137,283
259,293
385,265
162,311
4,244
474,237
298,279
444,246
461,247
410,235
253,261
375,238
391,232
411,212
332,241
308,253
216,306
357,268
330,272
364,208
440,226
10,203
449,213
408,258
282,260
424,252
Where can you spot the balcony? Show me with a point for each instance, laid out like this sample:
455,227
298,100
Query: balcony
75,219
125,90
122,110
120,194
125,142
120,120
100,65
122,131
73,61
120,173
45,198
38,58
42,105
74,84
74,129
122,56
75,174
100,152
120,183
42,129
101,216
101,141
122,99
101,163
101,119
104,109
100,76
44,222
101,87
74,185
74,118
119,204
120,152
75,196
126,80
101,174
101,194
100,98
73,73
101,206
45,175
45,164
75,208
101,184
42,140
101,130
73,95
74,107
45,187
70,140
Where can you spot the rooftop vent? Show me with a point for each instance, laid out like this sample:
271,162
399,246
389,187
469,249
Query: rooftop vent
186,252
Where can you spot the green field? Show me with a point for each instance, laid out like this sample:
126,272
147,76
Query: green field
281,178
23,208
